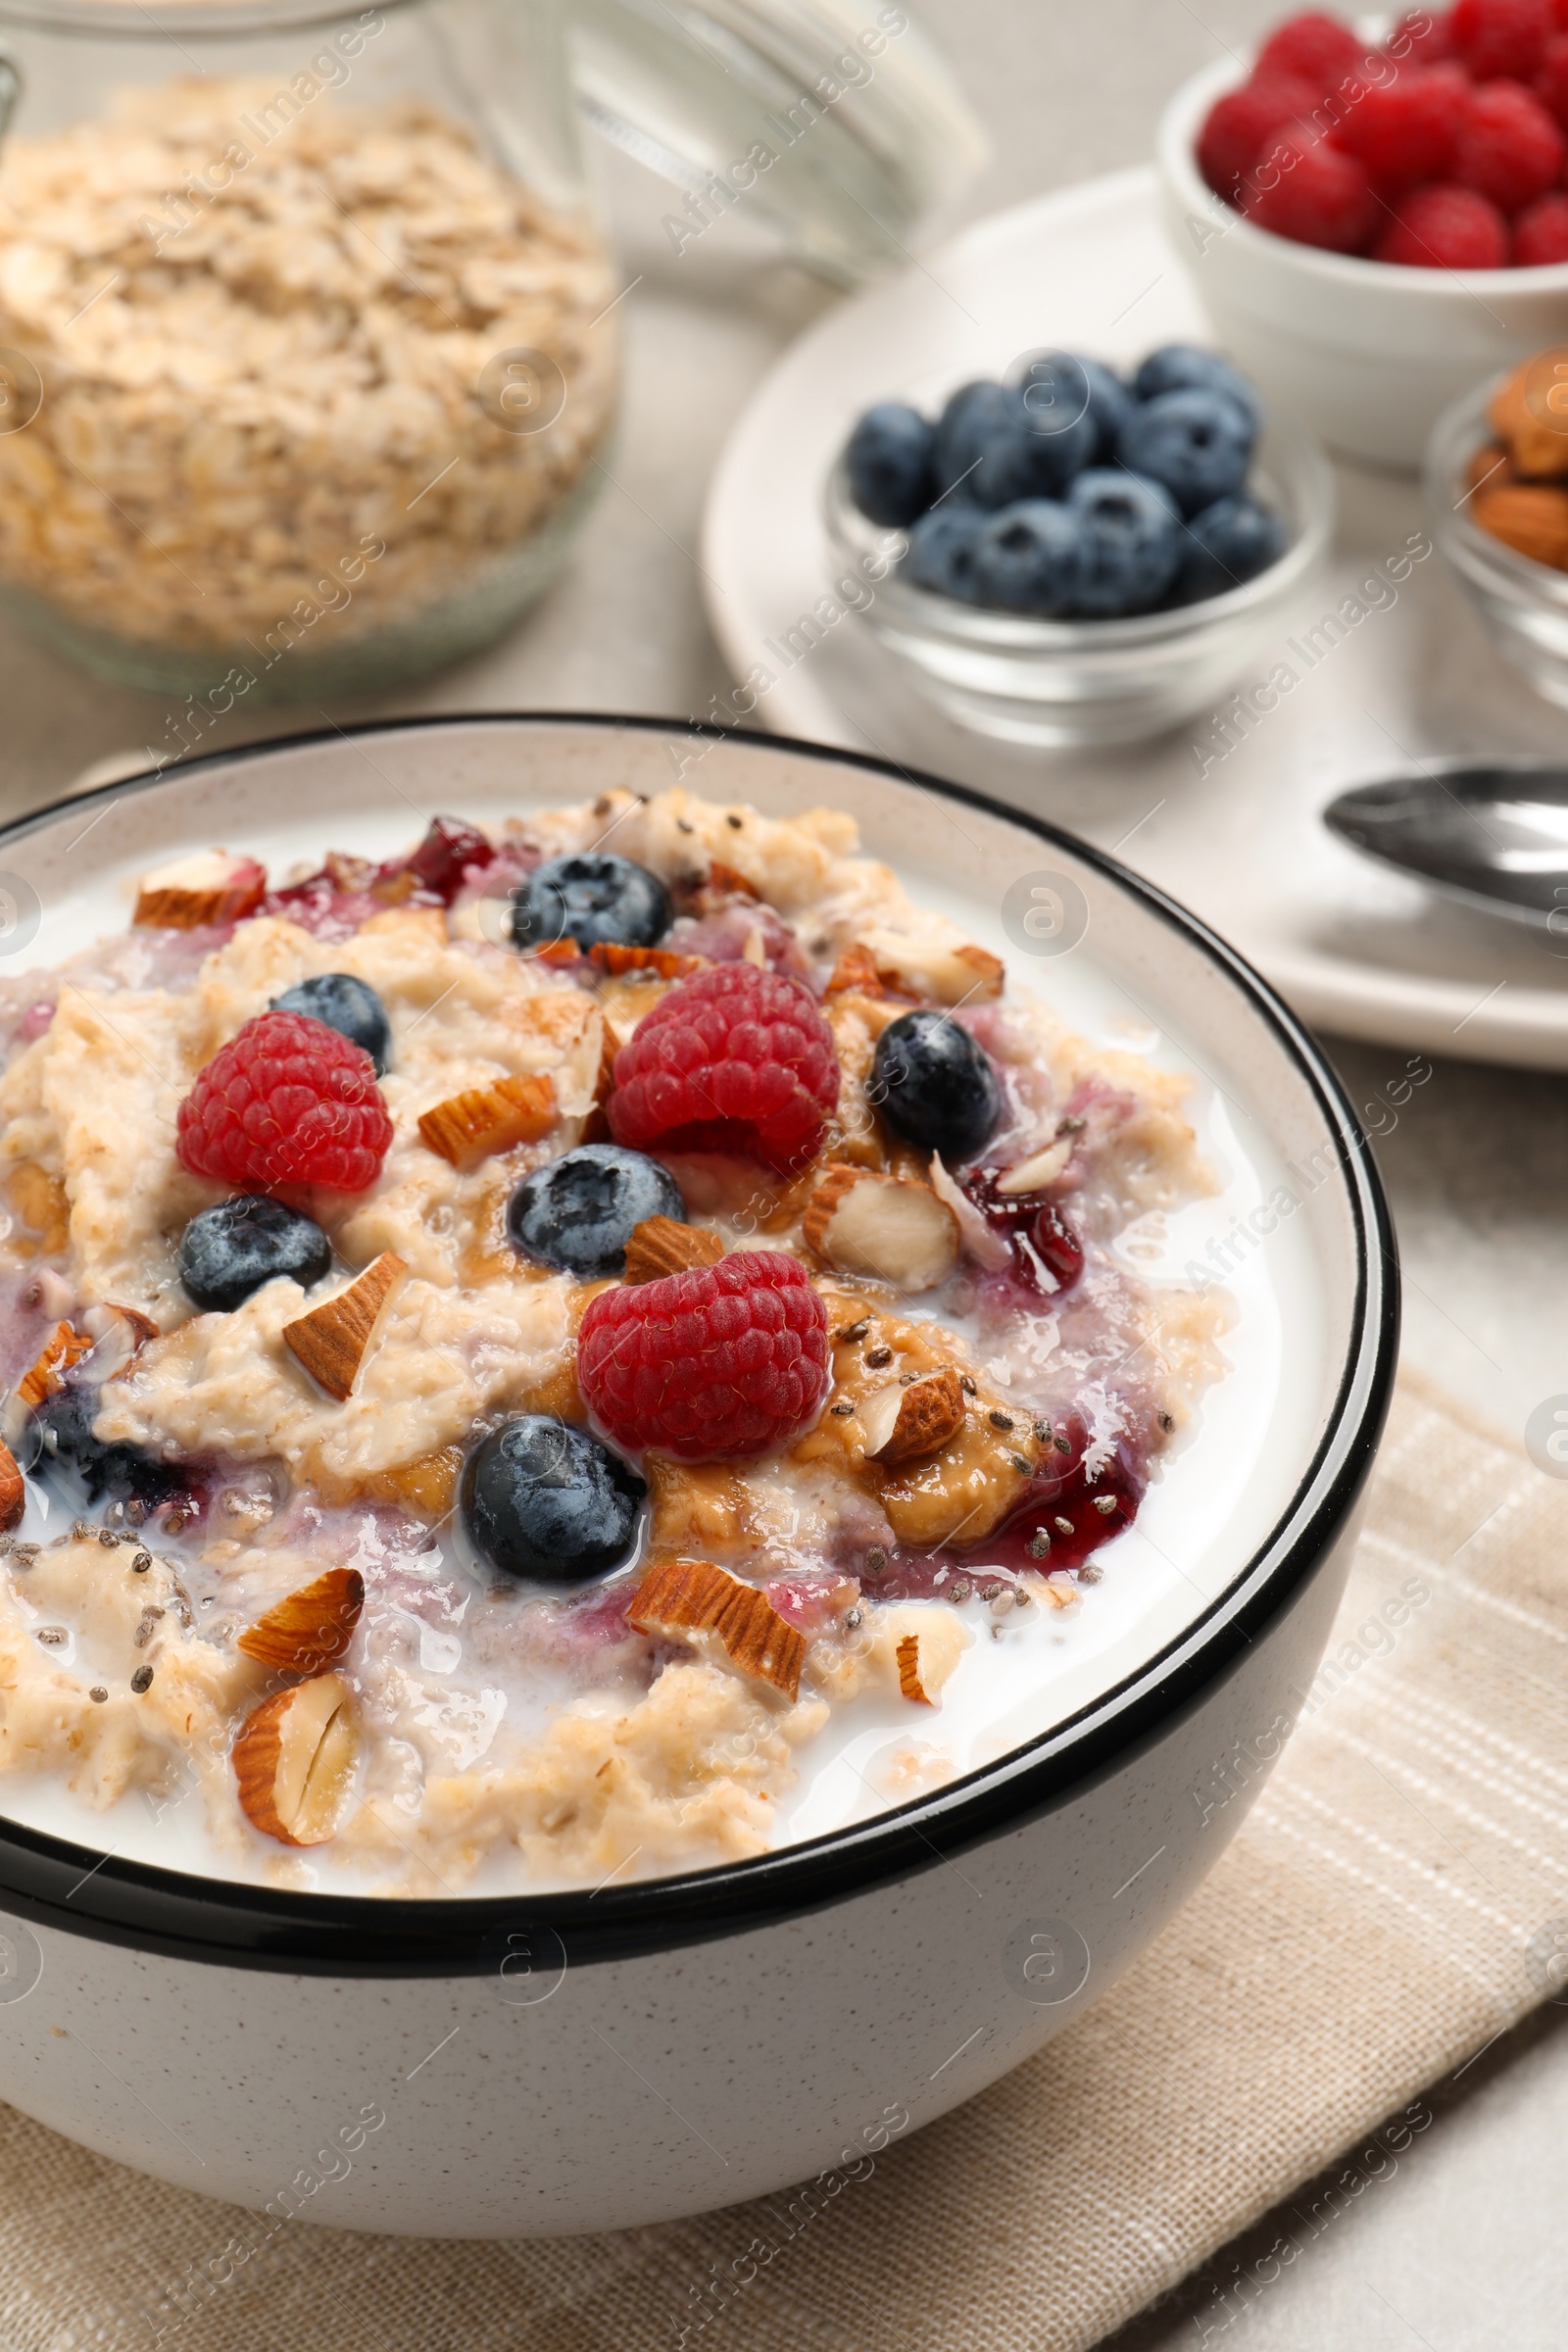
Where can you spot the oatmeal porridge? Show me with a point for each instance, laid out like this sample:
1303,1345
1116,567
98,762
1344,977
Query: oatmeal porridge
520,1354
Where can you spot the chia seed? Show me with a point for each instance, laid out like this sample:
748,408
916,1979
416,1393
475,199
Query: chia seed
1089,1574
907,1379
992,1591
856,1331
1105,1503
966,1383
1062,1445
843,1408
142,1680
1038,1545
998,1419
80,1529
141,1563
99,1694
1023,1464
51,1636
876,1357
853,1618
876,1559
1064,1526
1021,1598
963,1590
1167,1422
1042,1432
108,1537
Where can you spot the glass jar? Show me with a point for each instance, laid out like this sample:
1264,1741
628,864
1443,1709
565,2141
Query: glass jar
307,346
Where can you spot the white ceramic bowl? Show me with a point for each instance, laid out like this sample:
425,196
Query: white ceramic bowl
583,2061
1064,682
1365,354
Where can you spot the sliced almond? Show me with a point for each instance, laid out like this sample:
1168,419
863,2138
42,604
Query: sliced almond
64,1347
468,1127
294,1757
905,1425
13,1493
611,956
693,1597
311,1628
861,1221
210,886
922,1645
950,972
1032,1175
662,1246
330,1342
855,974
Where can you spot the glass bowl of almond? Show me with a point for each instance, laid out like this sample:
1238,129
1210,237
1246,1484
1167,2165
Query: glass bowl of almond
1496,481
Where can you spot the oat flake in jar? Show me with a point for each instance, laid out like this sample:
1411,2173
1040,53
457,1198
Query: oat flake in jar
306,335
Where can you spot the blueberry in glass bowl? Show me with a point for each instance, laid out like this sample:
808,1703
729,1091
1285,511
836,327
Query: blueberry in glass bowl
1103,552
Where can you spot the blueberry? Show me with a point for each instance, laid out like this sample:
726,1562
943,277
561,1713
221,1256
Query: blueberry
1228,542
230,1250
1065,383
973,416
1037,452
942,551
349,1006
1132,541
589,897
1198,445
578,1211
1028,556
888,460
547,1501
59,1436
935,1086
1185,367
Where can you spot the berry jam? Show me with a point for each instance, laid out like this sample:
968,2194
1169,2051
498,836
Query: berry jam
1034,1229
1064,1516
346,892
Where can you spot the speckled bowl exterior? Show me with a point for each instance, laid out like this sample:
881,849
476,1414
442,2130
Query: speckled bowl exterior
584,2061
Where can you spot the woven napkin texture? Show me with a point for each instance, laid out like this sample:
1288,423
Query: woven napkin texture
1393,1903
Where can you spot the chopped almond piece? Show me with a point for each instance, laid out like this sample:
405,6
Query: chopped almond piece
210,886
1041,1169
468,1127
951,972
331,1340
294,1756
311,1628
855,974
921,1645
919,1419
611,956
693,1597
861,1221
63,1348
13,1493
730,879
662,1246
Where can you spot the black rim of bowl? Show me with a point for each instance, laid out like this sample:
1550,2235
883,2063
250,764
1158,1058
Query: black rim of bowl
60,1884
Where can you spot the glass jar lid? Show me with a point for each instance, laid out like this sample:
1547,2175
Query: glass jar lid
837,121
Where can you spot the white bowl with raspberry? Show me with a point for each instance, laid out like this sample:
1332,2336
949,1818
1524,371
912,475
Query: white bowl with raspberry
1366,351
589,2055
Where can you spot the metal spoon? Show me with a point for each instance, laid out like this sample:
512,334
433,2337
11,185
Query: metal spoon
1493,833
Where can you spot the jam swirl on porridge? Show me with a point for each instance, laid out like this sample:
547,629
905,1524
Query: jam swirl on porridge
511,1352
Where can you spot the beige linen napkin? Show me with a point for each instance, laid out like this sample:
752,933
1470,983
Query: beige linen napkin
1398,1897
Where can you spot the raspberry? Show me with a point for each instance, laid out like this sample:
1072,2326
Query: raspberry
1241,123
1510,150
724,1360
1551,82
288,1100
733,1060
1493,37
1422,38
1541,234
1319,48
1445,227
1313,193
1407,130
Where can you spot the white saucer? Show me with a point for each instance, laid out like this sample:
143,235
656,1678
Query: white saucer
1357,950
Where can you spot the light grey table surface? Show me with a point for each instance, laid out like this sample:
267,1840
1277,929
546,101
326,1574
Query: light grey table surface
1465,2246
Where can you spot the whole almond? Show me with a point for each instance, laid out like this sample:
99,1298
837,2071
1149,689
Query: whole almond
293,1758
311,1628
13,1493
1531,517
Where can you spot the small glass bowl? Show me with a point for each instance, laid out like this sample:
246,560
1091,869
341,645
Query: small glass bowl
1524,604
1063,682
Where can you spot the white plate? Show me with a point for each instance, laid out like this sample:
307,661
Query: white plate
1238,836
